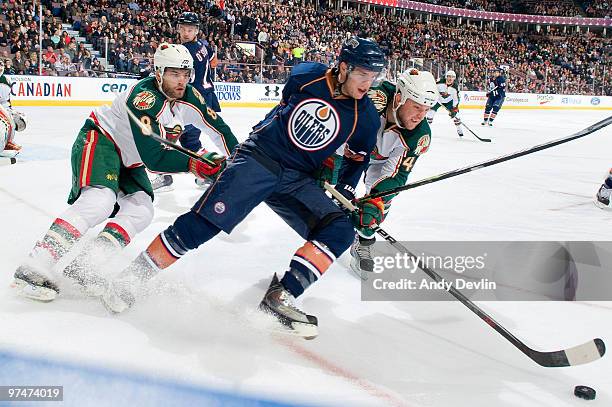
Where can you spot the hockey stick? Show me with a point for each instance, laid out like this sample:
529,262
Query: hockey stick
483,139
146,130
577,355
584,132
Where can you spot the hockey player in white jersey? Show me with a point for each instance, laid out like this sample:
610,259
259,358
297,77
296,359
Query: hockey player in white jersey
109,157
449,98
10,119
10,123
403,136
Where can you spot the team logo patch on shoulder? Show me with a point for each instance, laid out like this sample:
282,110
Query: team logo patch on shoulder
144,100
379,98
422,145
313,124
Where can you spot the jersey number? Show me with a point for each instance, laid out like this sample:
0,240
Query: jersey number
146,125
408,163
211,113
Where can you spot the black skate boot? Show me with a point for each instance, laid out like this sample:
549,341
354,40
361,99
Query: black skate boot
362,262
281,304
602,199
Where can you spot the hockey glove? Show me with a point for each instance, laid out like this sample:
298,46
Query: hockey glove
371,213
453,112
210,168
329,170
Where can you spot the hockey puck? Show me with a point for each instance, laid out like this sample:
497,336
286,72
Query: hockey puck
584,392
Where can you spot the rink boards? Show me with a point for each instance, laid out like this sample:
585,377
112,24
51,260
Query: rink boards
70,91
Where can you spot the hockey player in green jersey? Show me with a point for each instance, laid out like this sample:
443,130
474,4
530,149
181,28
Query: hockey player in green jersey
108,159
449,98
403,136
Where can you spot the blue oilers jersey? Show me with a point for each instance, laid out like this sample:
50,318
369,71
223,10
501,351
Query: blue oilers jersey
202,54
311,123
497,87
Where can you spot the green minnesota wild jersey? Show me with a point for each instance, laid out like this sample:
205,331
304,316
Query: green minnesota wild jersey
164,117
5,92
397,150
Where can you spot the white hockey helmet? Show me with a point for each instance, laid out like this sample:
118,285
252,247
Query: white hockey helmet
172,56
419,86
450,73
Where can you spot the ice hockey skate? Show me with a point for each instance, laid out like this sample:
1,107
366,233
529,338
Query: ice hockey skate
34,284
362,263
120,295
162,183
602,198
279,303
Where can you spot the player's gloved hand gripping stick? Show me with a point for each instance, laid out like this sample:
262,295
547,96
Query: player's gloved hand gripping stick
203,164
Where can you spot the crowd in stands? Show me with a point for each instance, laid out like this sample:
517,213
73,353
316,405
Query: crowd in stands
287,33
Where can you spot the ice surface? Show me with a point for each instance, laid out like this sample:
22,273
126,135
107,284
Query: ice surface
200,326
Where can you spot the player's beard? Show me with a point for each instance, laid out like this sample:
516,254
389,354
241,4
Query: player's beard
173,93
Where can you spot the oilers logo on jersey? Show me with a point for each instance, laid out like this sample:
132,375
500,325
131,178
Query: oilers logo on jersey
313,124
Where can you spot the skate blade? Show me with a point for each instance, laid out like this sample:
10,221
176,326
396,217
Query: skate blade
306,331
113,307
362,275
114,303
33,292
297,329
601,205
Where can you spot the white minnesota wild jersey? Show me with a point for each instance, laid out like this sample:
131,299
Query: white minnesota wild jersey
397,150
168,119
448,93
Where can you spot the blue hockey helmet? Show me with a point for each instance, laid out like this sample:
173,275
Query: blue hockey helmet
364,53
189,18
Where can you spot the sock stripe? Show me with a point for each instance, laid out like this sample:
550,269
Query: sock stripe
313,254
49,248
67,227
56,239
169,246
306,264
325,250
117,232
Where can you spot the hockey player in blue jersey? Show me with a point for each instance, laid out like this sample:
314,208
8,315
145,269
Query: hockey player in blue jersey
495,96
321,110
204,59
